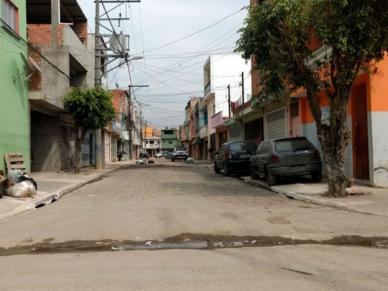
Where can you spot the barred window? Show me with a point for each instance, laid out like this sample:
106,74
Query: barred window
9,15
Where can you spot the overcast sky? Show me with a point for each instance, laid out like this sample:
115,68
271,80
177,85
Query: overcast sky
174,73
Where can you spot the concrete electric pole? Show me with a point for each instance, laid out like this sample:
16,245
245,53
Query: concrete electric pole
97,83
120,49
242,88
230,115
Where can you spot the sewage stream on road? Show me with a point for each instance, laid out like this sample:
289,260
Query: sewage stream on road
189,241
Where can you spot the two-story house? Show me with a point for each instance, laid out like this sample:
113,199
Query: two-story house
169,139
59,44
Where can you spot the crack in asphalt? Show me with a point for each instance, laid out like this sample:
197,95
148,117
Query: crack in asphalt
188,241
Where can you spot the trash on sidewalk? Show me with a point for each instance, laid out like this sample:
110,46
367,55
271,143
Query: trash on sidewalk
144,161
141,162
190,160
20,185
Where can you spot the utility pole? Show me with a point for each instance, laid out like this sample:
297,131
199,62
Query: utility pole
130,122
242,87
145,130
141,127
230,115
119,50
54,22
97,83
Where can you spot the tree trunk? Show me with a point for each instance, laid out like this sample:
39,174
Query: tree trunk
79,138
335,170
334,138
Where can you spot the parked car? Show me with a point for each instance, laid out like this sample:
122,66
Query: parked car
179,155
143,155
234,157
167,155
158,155
294,156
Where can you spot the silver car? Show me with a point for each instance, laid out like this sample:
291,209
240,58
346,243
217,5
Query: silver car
294,156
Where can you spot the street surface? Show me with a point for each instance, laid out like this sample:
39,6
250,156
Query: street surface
307,247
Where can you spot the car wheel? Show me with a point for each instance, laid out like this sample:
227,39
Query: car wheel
254,176
316,177
226,169
271,179
216,169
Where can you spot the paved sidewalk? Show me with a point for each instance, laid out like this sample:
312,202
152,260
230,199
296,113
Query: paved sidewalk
374,201
52,186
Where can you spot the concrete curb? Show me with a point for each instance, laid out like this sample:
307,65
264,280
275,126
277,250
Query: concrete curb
309,199
257,183
323,202
52,197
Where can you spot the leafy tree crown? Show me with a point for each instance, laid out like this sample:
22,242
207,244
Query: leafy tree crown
90,108
279,33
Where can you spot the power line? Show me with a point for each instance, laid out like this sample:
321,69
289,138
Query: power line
198,31
160,81
164,81
213,43
187,54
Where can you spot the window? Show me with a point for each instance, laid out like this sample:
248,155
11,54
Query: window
10,15
242,147
292,145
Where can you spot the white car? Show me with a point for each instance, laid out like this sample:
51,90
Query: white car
159,155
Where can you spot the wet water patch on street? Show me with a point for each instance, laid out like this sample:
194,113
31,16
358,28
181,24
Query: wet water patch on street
188,241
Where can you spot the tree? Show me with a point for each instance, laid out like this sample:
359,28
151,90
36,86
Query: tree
353,36
91,109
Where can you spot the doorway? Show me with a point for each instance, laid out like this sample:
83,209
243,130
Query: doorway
360,133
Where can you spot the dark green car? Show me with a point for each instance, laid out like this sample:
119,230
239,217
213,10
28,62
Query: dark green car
233,158
284,157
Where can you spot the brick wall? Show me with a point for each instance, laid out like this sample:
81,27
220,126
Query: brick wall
81,30
35,80
118,100
40,34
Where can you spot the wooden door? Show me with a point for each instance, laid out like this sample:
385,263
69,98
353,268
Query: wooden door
360,133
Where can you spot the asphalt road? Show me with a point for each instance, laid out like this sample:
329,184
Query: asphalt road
72,238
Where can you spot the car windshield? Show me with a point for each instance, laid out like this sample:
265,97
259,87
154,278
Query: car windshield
292,145
242,147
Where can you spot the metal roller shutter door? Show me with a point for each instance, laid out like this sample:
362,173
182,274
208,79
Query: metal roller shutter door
276,125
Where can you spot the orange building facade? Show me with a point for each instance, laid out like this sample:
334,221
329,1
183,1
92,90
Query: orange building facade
367,155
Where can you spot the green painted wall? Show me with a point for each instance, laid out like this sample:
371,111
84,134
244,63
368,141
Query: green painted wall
14,106
169,141
169,144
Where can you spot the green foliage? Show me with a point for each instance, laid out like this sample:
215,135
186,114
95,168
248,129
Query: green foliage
278,33
320,46
90,108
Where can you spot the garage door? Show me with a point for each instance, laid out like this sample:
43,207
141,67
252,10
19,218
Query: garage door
276,125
